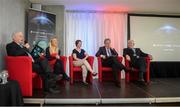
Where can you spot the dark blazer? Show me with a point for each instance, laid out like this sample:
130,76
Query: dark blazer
13,49
102,51
130,52
48,55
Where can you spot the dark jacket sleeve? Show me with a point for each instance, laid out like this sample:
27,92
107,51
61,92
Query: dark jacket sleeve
13,50
124,52
99,52
114,52
142,54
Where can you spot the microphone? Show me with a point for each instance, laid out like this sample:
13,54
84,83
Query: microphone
26,44
25,41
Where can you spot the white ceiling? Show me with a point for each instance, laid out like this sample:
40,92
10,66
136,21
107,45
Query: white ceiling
145,6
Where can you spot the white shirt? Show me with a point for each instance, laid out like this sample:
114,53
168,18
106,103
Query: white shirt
108,51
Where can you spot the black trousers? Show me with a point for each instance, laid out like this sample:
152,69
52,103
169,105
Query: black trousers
59,68
42,68
115,65
140,63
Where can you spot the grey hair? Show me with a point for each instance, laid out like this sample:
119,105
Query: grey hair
14,34
130,41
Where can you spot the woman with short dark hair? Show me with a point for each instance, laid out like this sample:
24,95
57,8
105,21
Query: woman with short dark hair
80,59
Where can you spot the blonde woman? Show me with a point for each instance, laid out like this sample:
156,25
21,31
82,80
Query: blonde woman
53,53
80,56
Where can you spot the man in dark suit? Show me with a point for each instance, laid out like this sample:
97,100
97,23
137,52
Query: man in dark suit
18,48
109,59
136,58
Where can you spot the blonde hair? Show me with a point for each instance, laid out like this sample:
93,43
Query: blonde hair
51,49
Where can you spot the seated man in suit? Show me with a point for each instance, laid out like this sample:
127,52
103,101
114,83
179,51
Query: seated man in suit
18,48
109,59
137,58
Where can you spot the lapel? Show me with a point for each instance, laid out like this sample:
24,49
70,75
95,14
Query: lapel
16,45
105,52
20,48
136,50
130,51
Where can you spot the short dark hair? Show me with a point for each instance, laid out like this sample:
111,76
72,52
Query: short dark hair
77,41
107,39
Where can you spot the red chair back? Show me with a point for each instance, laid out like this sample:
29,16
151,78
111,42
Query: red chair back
105,73
76,72
134,75
20,69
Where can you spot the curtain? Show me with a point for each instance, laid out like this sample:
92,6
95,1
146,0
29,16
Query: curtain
92,28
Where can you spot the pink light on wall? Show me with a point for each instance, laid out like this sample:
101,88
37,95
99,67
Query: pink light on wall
93,27
91,7
113,8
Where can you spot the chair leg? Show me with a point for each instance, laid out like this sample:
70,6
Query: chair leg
100,79
90,78
147,78
100,76
119,75
37,82
71,82
71,76
127,77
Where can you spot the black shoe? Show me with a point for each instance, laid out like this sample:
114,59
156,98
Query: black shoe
141,82
56,77
67,79
53,90
94,74
56,87
45,92
118,84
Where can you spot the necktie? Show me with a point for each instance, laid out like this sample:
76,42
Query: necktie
134,50
109,52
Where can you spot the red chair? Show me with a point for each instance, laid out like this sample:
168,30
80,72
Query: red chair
133,75
105,73
76,72
20,69
64,60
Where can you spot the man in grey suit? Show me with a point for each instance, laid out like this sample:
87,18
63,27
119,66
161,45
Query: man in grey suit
137,58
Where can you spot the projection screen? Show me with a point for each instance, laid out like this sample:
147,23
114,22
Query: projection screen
158,35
